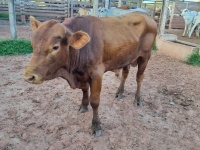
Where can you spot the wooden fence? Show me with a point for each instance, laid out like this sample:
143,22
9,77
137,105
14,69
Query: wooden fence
43,9
39,8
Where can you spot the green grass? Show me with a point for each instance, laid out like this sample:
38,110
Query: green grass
15,47
4,16
154,48
194,59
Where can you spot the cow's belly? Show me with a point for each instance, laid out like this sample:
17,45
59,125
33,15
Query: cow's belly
120,44
118,57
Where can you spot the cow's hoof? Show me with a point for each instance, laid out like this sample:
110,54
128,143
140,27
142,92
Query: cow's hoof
117,75
83,109
97,133
96,130
119,95
138,102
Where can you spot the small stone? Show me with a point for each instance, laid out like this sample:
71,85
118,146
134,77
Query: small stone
11,135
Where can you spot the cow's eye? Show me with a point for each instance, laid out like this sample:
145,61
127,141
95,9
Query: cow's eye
55,48
59,37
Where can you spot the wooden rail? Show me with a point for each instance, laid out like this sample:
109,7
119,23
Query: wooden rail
52,8
44,8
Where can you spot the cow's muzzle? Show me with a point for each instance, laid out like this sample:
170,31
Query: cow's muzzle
32,78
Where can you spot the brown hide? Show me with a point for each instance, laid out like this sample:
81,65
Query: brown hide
125,7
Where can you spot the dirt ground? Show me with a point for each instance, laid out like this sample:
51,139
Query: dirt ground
179,33
46,117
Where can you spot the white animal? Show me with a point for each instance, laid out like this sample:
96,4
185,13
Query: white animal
195,23
103,12
188,17
91,12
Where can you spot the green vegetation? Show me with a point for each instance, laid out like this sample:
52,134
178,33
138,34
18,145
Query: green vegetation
154,48
4,16
15,47
194,59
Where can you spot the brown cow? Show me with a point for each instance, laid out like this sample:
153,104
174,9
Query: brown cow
82,49
124,7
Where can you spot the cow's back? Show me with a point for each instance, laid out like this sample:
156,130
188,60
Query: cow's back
126,37
132,25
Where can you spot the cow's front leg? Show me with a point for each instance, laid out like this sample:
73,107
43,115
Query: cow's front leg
185,29
95,87
85,101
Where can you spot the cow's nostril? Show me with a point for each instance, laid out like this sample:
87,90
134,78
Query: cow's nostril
31,78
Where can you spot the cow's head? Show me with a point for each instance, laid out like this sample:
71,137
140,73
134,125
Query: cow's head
51,41
184,12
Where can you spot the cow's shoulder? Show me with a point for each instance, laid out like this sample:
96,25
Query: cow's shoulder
83,59
85,23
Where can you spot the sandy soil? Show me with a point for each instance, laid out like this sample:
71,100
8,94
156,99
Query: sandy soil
45,117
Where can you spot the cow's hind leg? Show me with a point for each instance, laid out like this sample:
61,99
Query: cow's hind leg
142,63
120,90
85,100
117,72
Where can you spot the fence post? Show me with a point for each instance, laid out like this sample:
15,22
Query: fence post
119,3
66,8
12,18
172,15
187,5
72,8
139,3
165,4
23,17
95,7
106,4
154,10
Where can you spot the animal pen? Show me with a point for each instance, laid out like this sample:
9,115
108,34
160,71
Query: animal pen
170,44
59,9
46,116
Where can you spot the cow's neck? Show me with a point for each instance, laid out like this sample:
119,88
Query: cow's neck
75,78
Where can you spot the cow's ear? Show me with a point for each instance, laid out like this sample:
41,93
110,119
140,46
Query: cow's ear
79,39
34,23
